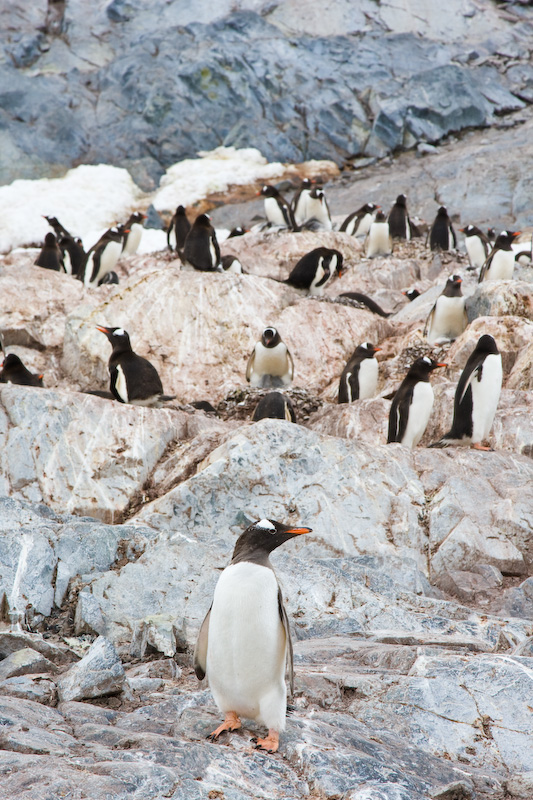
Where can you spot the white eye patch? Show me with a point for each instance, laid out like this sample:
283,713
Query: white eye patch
266,524
427,360
119,332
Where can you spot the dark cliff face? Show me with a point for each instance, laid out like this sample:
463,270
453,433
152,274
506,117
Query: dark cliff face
144,87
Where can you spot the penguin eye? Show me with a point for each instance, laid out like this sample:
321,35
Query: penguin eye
265,524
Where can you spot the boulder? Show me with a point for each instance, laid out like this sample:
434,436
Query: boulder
99,673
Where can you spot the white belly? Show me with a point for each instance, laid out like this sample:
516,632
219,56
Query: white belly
273,212
485,397
121,386
368,378
316,209
448,320
378,242
476,251
300,212
419,413
270,361
108,260
134,239
363,226
247,646
501,267
319,290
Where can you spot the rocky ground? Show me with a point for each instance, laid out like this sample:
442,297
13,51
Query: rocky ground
411,602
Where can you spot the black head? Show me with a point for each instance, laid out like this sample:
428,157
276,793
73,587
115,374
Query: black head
411,294
367,350
11,361
491,234
380,217
306,183
118,337
203,221
270,337
487,344
401,200
453,286
136,218
470,230
506,238
116,233
442,212
237,231
369,208
49,240
269,191
423,367
260,538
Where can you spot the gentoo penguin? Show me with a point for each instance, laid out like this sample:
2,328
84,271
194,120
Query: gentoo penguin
50,256
270,363
412,404
476,397
378,239
178,229
299,201
499,266
447,319
12,370
74,256
358,223
231,264
399,222
314,270
442,235
238,230
133,379
109,277
477,246
366,301
274,405
277,210
132,238
244,643
359,379
318,216
102,256
411,294
201,248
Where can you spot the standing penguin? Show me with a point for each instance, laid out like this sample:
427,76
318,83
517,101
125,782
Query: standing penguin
274,405
133,379
12,370
50,256
412,404
178,229
476,397
477,246
447,319
359,379
132,239
244,643
318,216
379,240
102,257
201,248
277,210
74,256
299,202
499,266
358,223
442,235
399,222
314,270
270,363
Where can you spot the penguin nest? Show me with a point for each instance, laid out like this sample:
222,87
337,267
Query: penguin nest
240,403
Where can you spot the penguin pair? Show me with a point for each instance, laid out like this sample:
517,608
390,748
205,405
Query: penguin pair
412,403
277,211
378,241
73,256
12,370
103,257
358,223
201,250
274,405
133,379
447,319
270,363
244,643
477,246
476,397
442,235
316,269
359,379
499,265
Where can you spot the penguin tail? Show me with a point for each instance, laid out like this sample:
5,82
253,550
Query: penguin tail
165,398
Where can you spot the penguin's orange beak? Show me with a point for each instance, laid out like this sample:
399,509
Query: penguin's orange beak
377,349
298,530
442,365
102,329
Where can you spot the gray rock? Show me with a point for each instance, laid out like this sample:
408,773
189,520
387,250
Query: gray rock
88,617
22,662
38,688
11,642
501,299
100,672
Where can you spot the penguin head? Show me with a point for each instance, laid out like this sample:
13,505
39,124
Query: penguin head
270,337
202,221
380,217
505,239
118,337
487,344
136,218
51,220
237,231
49,240
442,212
261,538
469,230
180,211
423,367
368,349
411,294
453,286
369,208
269,191
491,234
306,183
11,361
401,200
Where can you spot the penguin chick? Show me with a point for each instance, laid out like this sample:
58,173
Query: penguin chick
133,379
476,397
231,265
244,642
277,210
477,246
358,223
499,266
379,240
399,222
178,229
412,404
447,319
12,370
359,379
103,256
270,363
133,233
274,405
442,235
201,248
314,270
50,256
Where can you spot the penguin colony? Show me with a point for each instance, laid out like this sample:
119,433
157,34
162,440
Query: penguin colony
247,616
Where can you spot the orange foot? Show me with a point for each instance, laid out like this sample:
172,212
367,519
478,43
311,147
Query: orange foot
270,743
479,446
231,723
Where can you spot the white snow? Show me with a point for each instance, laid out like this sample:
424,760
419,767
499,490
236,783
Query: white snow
191,180
87,198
